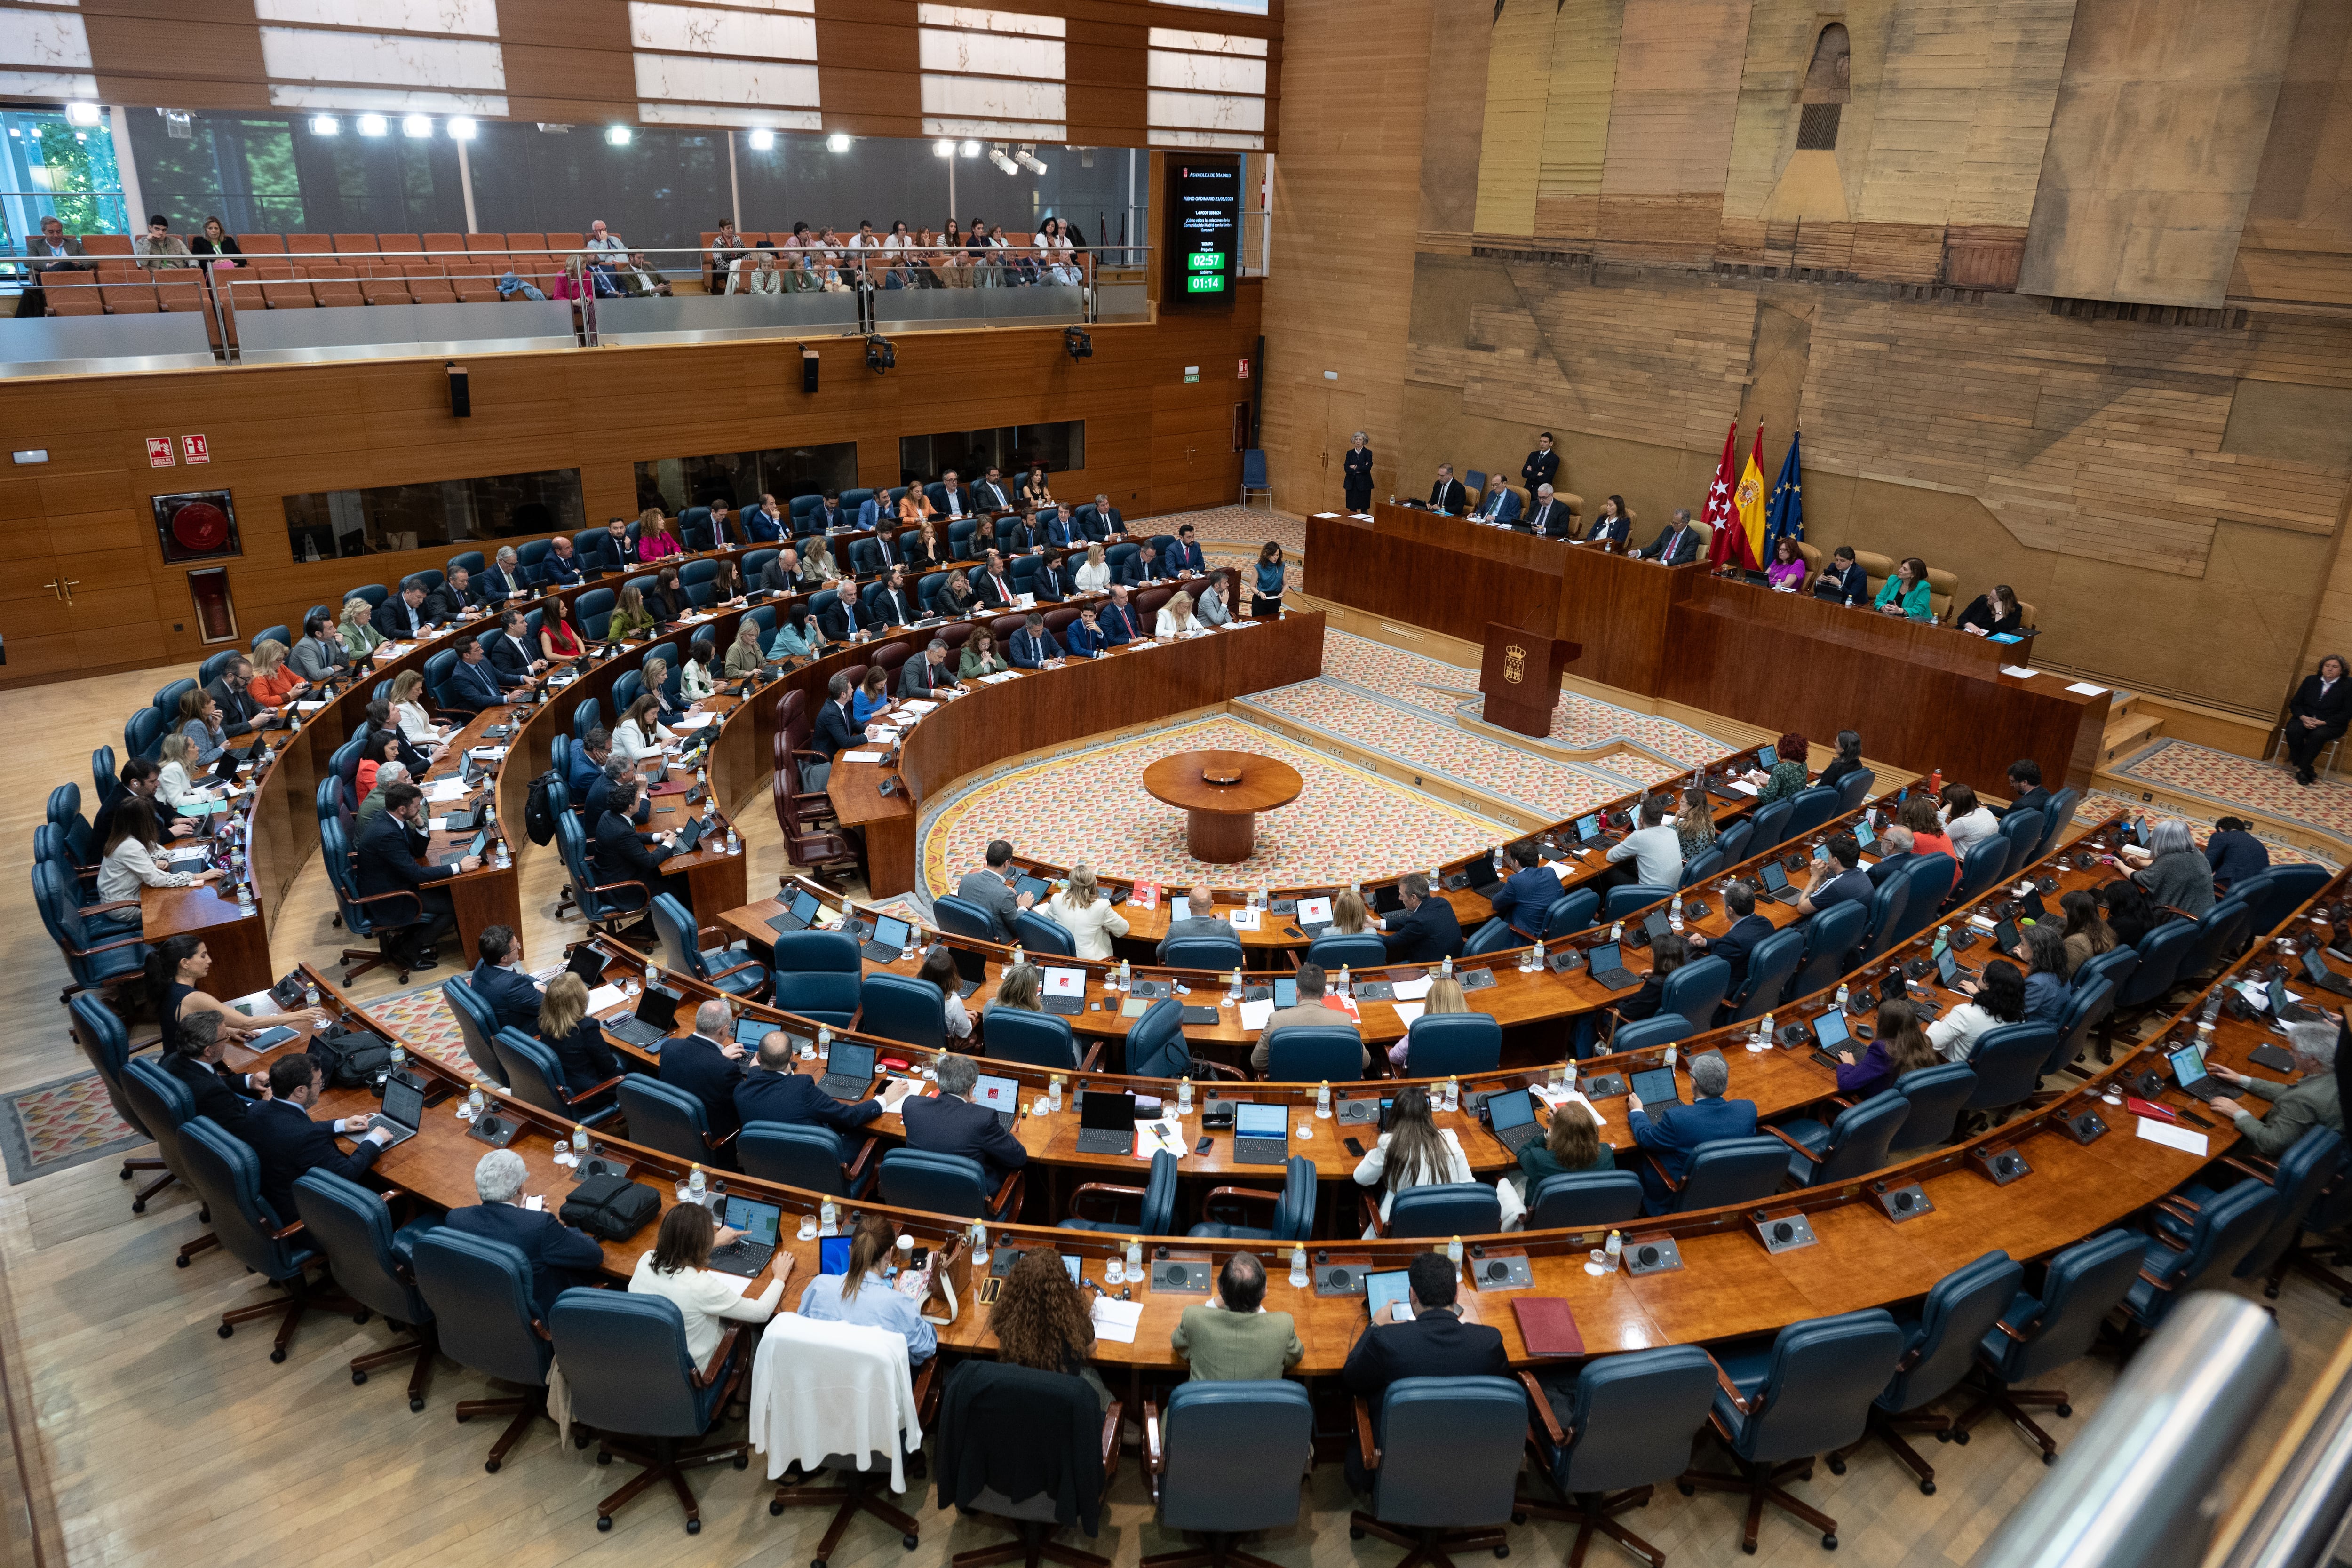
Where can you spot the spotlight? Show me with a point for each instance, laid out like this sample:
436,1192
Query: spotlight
881,355
618,135
417,126
970,149
325,125
1078,341
463,130
943,148
836,142
374,125
763,141
1028,158
82,114
996,156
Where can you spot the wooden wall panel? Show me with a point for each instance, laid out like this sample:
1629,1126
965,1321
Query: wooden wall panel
1670,117
2297,243
1576,117
1154,443
1518,93
1454,59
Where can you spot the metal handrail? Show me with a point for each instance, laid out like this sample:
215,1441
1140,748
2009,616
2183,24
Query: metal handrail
2297,1508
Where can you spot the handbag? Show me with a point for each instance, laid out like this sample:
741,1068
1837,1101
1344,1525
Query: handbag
611,1208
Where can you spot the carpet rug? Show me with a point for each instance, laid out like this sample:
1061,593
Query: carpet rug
2099,802
61,1124
2228,779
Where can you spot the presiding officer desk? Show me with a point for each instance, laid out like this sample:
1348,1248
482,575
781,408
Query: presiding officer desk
1924,696
1728,1285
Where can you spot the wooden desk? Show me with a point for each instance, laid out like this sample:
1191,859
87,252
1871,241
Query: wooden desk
1221,794
238,942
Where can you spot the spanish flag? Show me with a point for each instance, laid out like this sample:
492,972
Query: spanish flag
1748,506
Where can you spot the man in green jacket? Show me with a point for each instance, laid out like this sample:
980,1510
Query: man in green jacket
2295,1108
1230,1340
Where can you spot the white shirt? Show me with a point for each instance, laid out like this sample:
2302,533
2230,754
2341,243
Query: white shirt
630,743
1169,626
415,726
959,1020
174,788
695,682
1658,851
1093,579
1973,828
703,1297
1954,1035
1090,928
1372,1169
130,866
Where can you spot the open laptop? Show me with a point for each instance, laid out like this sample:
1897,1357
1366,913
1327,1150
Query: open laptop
1002,1095
1037,889
749,1253
1314,916
1830,1036
1767,756
691,835
2316,970
1065,992
471,846
1480,875
749,1032
1588,828
798,913
1606,964
848,1070
891,937
2188,1072
971,969
1864,835
1775,888
588,964
1513,1114
1106,1122
655,1016
2283,1007
404,1108
1656,1085
1261,1134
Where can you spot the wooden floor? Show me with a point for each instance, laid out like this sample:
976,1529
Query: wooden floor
157,1442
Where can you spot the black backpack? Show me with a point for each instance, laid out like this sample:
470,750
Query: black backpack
611,1208
349,1058
539,811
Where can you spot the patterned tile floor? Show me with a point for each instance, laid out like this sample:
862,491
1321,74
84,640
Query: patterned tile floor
1240,525
2229,780
2099,802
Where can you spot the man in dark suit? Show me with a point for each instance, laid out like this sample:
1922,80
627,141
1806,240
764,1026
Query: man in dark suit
1032,645
1118,620
1185,555
240,714
391,848
55,251
599,797
1501,505
1528,893
561,566
992,494
950,1124
709,1064
763,521
839,619
1677,543
781,574
1542,466
588,756
618,549
1143,566
955,501
1020,535
290,1144
1895,854
879,555
1548,516
1678,1129
502,578
511,994
1107,524
561,1257
1053,579
473,686
722,525
894,605
1737,945
511,655
1447,494
1435,1342
1427,930
1058,528
141,777
623,853
994,583
454,600
402,617
1842,580
772,1092
927,671
2026,793
224,1096
834,727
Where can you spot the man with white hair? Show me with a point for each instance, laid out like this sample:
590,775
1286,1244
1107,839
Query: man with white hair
2311,1101
503,580
386,775
559,1256
709,1064
1676,1132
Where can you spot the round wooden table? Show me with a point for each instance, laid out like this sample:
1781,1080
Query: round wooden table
1222,791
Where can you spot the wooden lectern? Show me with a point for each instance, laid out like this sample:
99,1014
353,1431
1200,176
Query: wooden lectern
1520,678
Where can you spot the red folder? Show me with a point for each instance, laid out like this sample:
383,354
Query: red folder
1547,1326
2149,1109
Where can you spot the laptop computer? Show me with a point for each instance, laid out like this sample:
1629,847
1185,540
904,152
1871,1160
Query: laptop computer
1588,828
848,1070
1002,1095
749,1032
1830,1036
1949,971
471,846
749,1253
691,835
1513,1116
404,1108
1767,756
1106,1122
1314,916
1656,1085
1480,875
226,765
588,964
1657,923
2188,1073
1606,964
1261,1134
1864,834
971,969
655,1016
1776,888
2283,1007
891,935
2316,970
1065,992
798,912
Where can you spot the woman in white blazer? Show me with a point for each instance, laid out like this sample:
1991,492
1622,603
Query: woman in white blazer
416,726
1176,618
639,734
1094,577
1417,1153
175,786
1081,909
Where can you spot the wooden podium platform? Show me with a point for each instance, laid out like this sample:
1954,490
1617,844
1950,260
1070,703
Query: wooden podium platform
1520,678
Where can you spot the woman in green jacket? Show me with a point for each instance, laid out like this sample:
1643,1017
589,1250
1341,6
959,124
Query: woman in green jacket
1571,1147
1906,591
981,658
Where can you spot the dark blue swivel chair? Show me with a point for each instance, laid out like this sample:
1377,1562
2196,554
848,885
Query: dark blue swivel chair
535,1076
1808,808
1156,1213
2061,811
1846,1149
227,1174
1886,906
1938,1347
1724,1172
1855,789
1697,990
1156,1046
1734,841
731,970
1292,1215
2037,1334
1770,967
1451,1045
1768,827
1495,936
98,1029
2297,1176
1220,953
899,1008
950,1185
1445,1208
2200,1248
1606,1439
2008,1062
1570,912
2284,887
1224,1460
1581,1200
1930,881
626,1361
1443,1457
2221,937
1040,1039
2025,831
1623,902
803,1155
163,1105
1036,933
817,975
1703,867
664,1117
1982,866
1830,939
1807,1391
1935,1096
1357,950
480,1292
476,1022
1659,1029
1315,1053
368,1259
2083,1013
142,734
961,917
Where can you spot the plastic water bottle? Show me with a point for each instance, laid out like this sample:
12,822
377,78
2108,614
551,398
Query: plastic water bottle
1184,1097
1615,1250
1675,911
1345,987
702,777
1054,1094
828,1217
653,974
734,845
1299,1279
470,1107
1765,1033
1235,994
1840,995
1498,860
695,1185
810,1047
1436,879
1323,1102
1134,1257
1019,958
1454,1252
979,1243
1446,967
2212,1006
1126,975
1535,959
1671,1055
1944,935
1617,930
309,992
1453,1094
399,1057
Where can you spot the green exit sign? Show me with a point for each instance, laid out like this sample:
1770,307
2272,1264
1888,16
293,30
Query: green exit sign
1206,283
1206,261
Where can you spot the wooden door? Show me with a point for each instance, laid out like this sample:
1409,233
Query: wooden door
95,539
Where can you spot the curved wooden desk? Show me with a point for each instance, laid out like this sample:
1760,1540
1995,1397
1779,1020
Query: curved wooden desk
1221,794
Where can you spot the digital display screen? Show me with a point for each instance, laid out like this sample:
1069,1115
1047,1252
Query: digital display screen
1204,231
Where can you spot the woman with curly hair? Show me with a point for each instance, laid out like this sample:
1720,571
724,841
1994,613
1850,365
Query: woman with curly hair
1040,1320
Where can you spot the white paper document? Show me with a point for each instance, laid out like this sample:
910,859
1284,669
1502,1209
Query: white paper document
1408,1011
2085,689
1256,1014
861,756
2173,1137
1116,1320
696,720
441,790
1247,919
917,705
605,996
1412,990
2019,670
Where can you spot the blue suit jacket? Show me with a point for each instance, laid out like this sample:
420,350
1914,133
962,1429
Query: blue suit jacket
584,775
760,527
473,686
1182,556
1064,531
1505,503
1735,945
1085,641
560,570
1610,530
1425,934
509,993
1676,1131
496,584
1525,896
869,512
559,1256
795,1099
949,1126
696,1064
1027,652
289,1144
1117,625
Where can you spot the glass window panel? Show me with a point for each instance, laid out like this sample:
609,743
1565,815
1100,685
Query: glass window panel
673,484
326,524
1010,449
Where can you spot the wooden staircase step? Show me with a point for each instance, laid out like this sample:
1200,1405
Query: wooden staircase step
2126,735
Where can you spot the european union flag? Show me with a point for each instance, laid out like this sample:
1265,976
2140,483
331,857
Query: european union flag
1785,511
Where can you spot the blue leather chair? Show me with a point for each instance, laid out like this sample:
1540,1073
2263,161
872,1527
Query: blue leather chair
1703,867
1697,990
2007,1060
99,1030
817,975
536,1077
1935,1096
1495,936
1226,1462
1156,1046
594,610
476,1022
2284,887
1771,967
1036,933
803,1155
2024,832
480,1293
105,774
731,970
1855,789
1886,907
1981,867
272,634
626,1361
1930,880
1446,1208
950,1185
1292,1215
1658,1029
1724,1172
93,964
1938,1347
1808,808
898,1008
2037,1334
1584,1200
2160,953
1624,901
163,1105
2061,811
1768,827
1625,1423
1219,954
961,917
2297,1176
1451,1045
1734,841
1156,1200
2083,1012
1315,1053
1809,1390
1359,950
2202,1248
142,734
470,560
1444,1464
1017,1034
226,1174
167,698
368,1257
2221,937
1830,939
1846,1149
1572,912
664,1117
2114,966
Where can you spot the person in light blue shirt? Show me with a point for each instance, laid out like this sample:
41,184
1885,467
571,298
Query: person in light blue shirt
1266,603
873,695
876,1303
797,636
